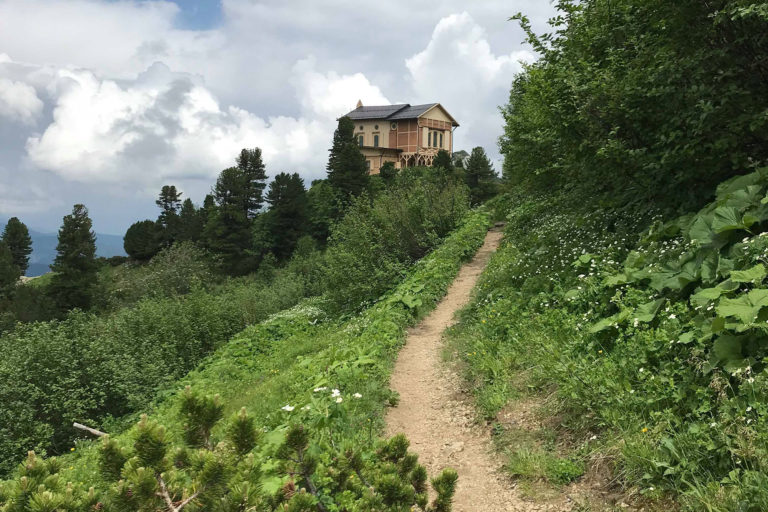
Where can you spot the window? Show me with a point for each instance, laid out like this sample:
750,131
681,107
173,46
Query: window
375,141
441,140
368,165
375,127
360,140
393,126
361,127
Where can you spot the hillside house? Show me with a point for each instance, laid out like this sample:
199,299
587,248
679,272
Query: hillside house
407,135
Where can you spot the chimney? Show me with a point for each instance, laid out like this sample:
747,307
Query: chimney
359,103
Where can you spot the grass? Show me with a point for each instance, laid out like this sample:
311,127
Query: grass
280,361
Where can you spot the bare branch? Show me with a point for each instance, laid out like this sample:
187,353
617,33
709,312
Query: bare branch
90,430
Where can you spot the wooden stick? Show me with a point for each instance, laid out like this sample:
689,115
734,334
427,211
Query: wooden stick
93,431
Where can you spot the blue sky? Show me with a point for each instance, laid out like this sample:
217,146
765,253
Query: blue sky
102,102
198,14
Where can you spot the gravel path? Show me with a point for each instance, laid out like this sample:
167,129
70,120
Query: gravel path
432,413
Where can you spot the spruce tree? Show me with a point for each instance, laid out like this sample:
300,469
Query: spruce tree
479,175
75,265
255,180
346,165
17,239
287,218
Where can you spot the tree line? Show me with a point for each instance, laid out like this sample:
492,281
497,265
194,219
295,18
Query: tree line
242,222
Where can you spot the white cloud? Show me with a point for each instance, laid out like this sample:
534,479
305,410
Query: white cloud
19,101
458,69
159,126
331,95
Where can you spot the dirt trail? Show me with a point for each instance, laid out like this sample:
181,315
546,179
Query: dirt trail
434,416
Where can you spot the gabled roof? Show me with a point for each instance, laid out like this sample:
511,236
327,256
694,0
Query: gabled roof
379,112
395,112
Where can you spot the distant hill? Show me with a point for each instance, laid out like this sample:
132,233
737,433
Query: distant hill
44,249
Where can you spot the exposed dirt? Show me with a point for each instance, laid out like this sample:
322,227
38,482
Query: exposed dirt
439,419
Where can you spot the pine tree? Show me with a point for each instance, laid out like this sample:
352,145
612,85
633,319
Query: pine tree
16,237
228,229
287,219
75,265
255,178
479,175
346,165
143,240
191,222
169,202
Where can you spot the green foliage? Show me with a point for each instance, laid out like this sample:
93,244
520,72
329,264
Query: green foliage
142,240
75,267
640,104
480,176
9,271
288,216
318,456
169,202
388,172
443,161
191,223
254,175
322,202
16,238
377,240
346,164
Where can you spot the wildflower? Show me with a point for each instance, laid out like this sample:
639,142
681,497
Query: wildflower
672,316
645,429
713,424
357,395
631,391
335,393
317,390
306,407
72,449
288,408
599,351
339,400
749,408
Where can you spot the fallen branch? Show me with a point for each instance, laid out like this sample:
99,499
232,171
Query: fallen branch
97,433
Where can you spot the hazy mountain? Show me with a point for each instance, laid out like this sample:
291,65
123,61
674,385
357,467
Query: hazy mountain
44,248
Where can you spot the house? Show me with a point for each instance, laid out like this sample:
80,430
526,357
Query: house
407,135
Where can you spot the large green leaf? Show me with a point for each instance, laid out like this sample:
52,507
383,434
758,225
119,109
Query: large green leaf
752,275
700,231
728,348
745,307
703,297
727,218
647,312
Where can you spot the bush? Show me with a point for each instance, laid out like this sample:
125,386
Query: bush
377,240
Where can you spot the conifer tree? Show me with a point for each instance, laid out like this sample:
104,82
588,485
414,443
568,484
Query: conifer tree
346,165
143,239
191,222
169,202
16,237
287,218
255,180
479,175
75,264
228,229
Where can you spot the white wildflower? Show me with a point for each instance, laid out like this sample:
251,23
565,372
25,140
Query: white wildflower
317,390
339,400
335,393
288,408
357,395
